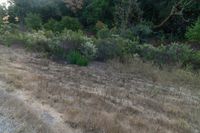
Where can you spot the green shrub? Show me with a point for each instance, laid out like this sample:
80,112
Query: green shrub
148,51
127,46
37,41
175,53
57,45
88,49
128,34
107,49
96,10
53,25
193,32
172,54
10,34
114,47
103,33
71,40
142,30
33,21
79,42
195,60
75,57
8,28
70,23
65,23
100,25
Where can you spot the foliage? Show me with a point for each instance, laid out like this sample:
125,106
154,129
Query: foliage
128,34
33,21
114,47
148,52
66,23
107,50
156,12
37,41
88,49
79,42
47,9
193,33
2,13
127,12
120,27
97,10
104,33
172,54
74,5
70,23
100,25
53,25
10,33
75,57
195,60
142,30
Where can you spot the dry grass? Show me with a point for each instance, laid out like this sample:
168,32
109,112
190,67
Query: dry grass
111,97
167,76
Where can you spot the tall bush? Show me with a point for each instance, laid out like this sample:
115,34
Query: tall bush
70,23
193,32
33,21
53,25
66,22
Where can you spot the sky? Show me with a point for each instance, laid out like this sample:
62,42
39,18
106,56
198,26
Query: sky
4,1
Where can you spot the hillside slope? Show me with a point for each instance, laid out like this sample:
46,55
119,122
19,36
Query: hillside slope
99,98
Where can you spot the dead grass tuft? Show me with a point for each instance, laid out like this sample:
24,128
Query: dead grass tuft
166,76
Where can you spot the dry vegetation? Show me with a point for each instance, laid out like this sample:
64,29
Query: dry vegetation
108,98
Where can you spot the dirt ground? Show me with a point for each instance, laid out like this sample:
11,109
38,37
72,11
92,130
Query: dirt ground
97,98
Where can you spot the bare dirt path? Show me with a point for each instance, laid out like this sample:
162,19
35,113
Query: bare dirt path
97,98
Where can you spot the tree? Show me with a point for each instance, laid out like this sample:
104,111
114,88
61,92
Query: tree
74,5
176,10
2,13
33,21
127,12
95,10
193,32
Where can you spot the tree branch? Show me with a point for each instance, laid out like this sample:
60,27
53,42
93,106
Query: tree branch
177,9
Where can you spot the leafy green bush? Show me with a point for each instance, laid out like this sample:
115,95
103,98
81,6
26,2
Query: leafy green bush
107,49
65,23
70,23
193,32
142,30
96,10
33,21
75,57
139,32
171,54
104,33
79,42
114,47
53,25
148,51
100,25
195,60
71,40
9,33
128,34
57,45
8,28
37,41
88,49
174,53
